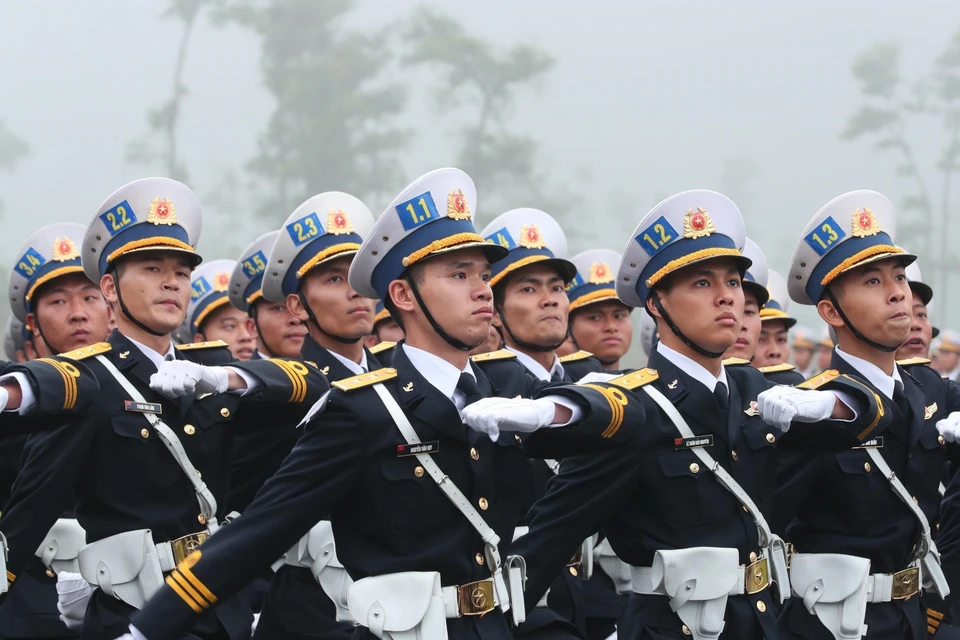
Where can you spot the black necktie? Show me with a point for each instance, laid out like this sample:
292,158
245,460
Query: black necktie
900,399
556,376
723,399
467,384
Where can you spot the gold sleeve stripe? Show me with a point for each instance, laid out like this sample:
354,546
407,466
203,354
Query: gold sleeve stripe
10,579
295,381
617,401
185,571
876,421
936,614
299,383
69,373
186,592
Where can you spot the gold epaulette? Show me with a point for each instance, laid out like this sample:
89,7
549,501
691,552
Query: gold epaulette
912,361
382,346
636,379
87,352
190,346
777,368
735,362
575,357
500,354
820,379
365,379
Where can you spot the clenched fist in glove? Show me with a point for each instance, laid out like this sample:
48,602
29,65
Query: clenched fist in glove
178,378
949,427
493,415
781,405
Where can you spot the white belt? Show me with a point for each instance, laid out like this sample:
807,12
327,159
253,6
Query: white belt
751,579
887,587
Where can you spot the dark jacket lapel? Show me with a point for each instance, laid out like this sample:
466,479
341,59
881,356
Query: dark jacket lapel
913,389
735,416
689,395
427,405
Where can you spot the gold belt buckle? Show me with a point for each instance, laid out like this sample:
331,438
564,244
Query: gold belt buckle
756,577
183,547
476,598
906,583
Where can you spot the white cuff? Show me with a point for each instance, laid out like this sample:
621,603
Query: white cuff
28,398
575,410
848,400
253,384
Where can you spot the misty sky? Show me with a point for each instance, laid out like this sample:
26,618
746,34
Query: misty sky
646,99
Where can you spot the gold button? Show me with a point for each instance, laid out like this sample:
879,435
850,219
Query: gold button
225,412
771,438
941,440
479,559
145,433
733,454
915,500
517,438
199,475
761,607
189,430
418,472
686,630
573,571
694,467
474,454
746,509
51,574
201,519
483,504
867,467
753,556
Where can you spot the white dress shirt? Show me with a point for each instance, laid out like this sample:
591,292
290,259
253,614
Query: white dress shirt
874,374
536,368
694,369
357,369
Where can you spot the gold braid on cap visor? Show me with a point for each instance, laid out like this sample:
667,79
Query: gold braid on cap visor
439,245
683,261
857,258
159,243
594,296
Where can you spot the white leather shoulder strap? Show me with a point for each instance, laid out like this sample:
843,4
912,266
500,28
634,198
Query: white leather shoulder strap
453,493
723,476
208,504
904,495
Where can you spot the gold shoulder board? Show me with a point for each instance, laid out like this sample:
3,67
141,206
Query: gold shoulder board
636,379
819,380
191,346
574,357
735,362
365,379
912,361
88,352
777,368
502,354
382,346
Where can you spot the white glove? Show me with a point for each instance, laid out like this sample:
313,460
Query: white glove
4,398
949,427
73,594
780,405
493,415
179,378
598,376
133,635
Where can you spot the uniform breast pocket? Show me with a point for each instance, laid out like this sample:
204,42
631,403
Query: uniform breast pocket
687,494
409,499
934,455
859,480
763,458
138,457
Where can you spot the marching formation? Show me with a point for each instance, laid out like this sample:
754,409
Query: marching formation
406,427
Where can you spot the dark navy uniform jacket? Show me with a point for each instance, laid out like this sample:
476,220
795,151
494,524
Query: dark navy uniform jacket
654,494
296,606
840,503
389,515
122,476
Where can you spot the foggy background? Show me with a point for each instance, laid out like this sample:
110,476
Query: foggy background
593,111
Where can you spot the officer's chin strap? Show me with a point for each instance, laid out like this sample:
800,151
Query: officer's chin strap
256,324
676,330
523,344
50,347
312,318
853,329
126,312
453,342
